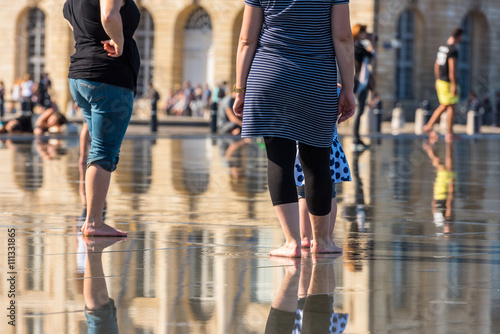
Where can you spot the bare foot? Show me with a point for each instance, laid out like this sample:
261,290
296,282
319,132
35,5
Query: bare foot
287,250
99,244
433,137
322,247
305,242
104,230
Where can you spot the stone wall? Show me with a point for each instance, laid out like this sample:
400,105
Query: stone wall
434,21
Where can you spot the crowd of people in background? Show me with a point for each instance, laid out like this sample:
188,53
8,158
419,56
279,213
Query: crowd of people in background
204,101
26,96
195,101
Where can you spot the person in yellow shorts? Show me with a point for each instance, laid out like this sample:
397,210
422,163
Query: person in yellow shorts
448,91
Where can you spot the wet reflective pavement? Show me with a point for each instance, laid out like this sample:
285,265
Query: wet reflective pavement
419,224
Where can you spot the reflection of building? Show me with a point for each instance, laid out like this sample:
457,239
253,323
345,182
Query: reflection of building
196,41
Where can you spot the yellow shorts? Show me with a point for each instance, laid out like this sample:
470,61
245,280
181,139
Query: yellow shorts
444,93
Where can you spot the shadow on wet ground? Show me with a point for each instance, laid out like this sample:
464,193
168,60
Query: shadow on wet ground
419,225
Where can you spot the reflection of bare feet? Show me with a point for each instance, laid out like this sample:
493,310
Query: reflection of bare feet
305,242
104,230
287,250
433,136
290,265
322,247
99,244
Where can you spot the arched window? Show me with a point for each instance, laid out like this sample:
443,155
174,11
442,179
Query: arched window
35,46
144,37
405,56
464,58
199,20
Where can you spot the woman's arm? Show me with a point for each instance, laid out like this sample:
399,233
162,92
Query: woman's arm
253,18
112,22
344,49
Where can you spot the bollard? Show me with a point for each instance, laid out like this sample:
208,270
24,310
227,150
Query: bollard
398,119
154,118
377,115
419,121
443,122
473,122
422,116
213,120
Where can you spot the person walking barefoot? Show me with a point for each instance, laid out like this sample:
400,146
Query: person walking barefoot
448,91
103,79
286,91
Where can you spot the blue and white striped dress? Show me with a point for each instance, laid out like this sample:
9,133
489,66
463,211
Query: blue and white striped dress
291,87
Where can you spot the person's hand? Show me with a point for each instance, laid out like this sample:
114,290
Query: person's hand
112,48
347,105
239,102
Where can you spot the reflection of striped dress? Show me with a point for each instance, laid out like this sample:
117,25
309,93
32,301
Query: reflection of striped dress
291,87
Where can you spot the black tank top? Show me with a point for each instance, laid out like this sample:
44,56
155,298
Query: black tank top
90,61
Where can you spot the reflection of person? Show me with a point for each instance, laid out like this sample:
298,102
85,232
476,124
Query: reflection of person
277,75
314,284
445,70
100,310
103,78
444,185
355,249
49,149
363,54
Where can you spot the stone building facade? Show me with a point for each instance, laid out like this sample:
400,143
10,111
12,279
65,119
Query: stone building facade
196,40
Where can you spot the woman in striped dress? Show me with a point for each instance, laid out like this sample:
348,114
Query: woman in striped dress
286,86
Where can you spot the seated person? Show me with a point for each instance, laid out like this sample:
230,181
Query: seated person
227,121
50,120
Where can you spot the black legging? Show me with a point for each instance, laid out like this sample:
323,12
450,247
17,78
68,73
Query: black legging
315,163
359,112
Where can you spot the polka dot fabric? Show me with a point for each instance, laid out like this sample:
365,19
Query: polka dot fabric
339,168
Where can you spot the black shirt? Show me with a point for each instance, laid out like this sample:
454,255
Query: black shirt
90,61
443,60
360,52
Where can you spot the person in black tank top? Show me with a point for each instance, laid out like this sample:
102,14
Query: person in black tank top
103,79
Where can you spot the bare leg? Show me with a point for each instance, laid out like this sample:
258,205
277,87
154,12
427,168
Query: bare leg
434,118
323,276
286,298
305,224
95,292
305,278
333,218
96,185
322,239
450,118
288,215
